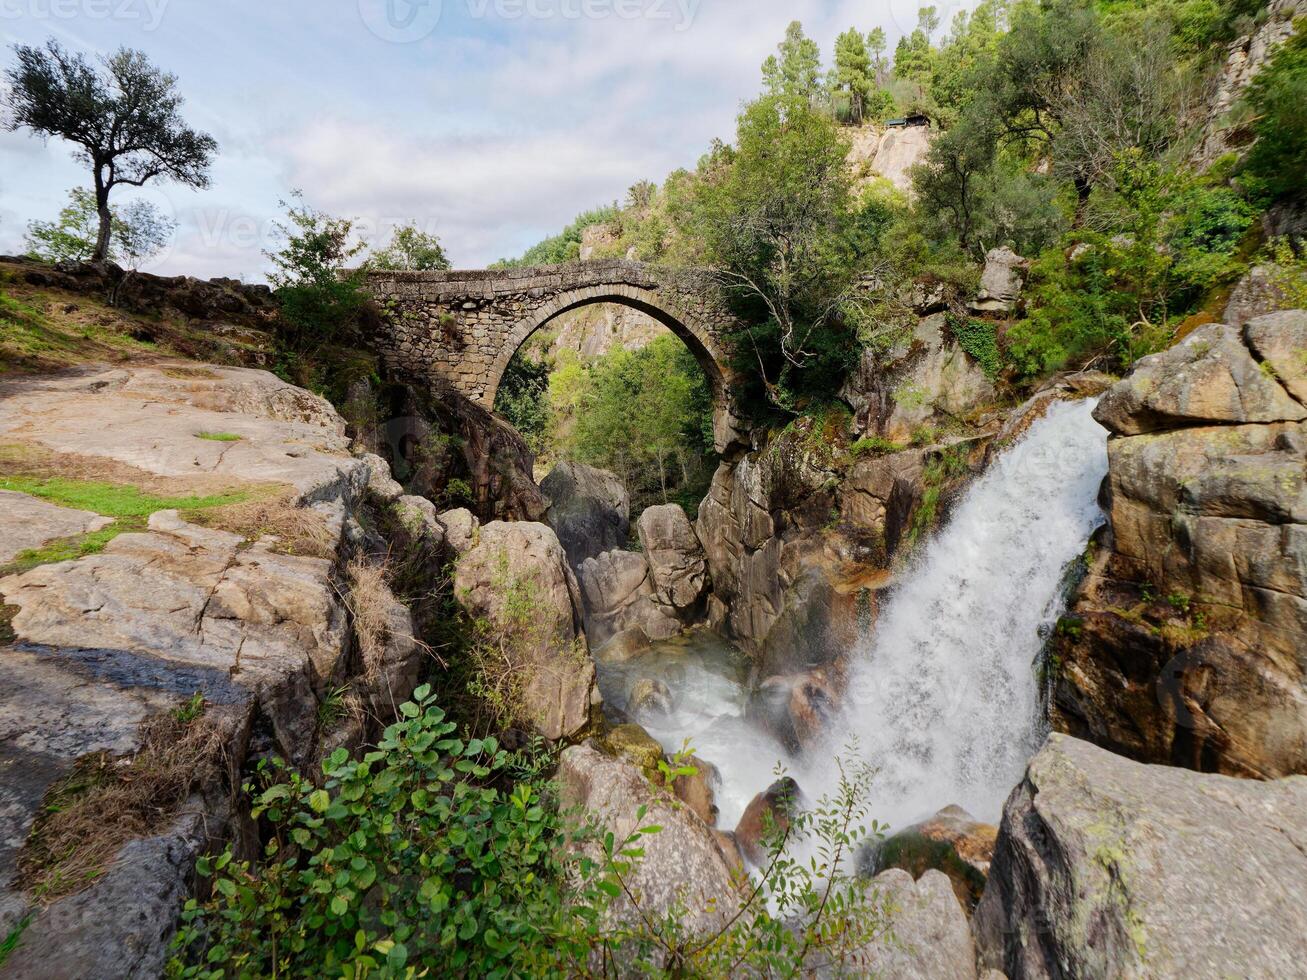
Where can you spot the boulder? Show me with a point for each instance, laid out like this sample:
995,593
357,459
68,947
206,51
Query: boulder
1001,281
683,868
462,529
381,484
1209,377
419,517
650,699
796,708
618,596
1256,294
951,842
677,565
589,509
698,789
927,934
516,580
767,815
633,744
1109,868
899,150
1279,342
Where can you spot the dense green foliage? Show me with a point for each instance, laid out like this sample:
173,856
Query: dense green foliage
564,247
320,297
1277,164
410,249
434,854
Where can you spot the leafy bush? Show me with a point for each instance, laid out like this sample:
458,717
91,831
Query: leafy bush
436,855
320,300
979,338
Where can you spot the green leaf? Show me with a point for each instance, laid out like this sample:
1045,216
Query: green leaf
320,800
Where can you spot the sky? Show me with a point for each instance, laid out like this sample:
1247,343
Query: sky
491,123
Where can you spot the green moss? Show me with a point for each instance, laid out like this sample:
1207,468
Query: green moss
71,548
219,436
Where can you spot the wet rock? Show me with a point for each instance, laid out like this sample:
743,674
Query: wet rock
683,868
951,842
545,642
649,699
1209,377
1001,281
589,509
767,815
698,790
677,566
619,597
30,522
796,708
633,744
1107,868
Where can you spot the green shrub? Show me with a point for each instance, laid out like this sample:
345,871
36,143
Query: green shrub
979,338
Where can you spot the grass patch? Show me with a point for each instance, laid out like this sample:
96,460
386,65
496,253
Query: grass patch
272,513
11,941
219,436
87,816
111,499
72,548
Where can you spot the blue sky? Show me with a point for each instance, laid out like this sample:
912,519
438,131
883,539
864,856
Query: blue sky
489,122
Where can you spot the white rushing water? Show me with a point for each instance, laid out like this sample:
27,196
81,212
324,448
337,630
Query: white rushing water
942,699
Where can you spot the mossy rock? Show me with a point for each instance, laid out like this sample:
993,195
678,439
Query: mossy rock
950,842
636,746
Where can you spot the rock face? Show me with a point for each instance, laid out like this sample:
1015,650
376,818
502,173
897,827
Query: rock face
618,595
889,154
1257,294
683,866
1244,60
589,510
1000,282
926,380
1185,643
767,815
1108,868
437,436
596,331
109,642
518,581
677,566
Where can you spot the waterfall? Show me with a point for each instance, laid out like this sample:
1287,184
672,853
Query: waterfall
942,697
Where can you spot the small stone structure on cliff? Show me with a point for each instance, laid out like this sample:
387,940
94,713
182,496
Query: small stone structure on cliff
463,328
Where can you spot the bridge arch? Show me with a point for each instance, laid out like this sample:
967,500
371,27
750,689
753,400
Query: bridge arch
461,329
699,341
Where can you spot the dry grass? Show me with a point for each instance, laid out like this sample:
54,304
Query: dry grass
369,600
105,802
273,514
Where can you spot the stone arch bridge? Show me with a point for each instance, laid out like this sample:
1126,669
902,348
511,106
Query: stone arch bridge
462,328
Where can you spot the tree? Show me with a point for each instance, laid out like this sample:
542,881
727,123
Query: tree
853,72
795,72
1277,163
320,298
876,51
775,223
126,121
139,232
411,250
913,56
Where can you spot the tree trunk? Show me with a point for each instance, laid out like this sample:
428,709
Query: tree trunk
1083,187
101,254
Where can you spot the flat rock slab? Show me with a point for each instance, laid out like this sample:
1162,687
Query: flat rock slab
28,522
151,417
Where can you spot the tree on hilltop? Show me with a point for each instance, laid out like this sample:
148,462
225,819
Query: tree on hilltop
126,121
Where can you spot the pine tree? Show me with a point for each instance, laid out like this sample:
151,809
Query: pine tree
853,72
796,72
